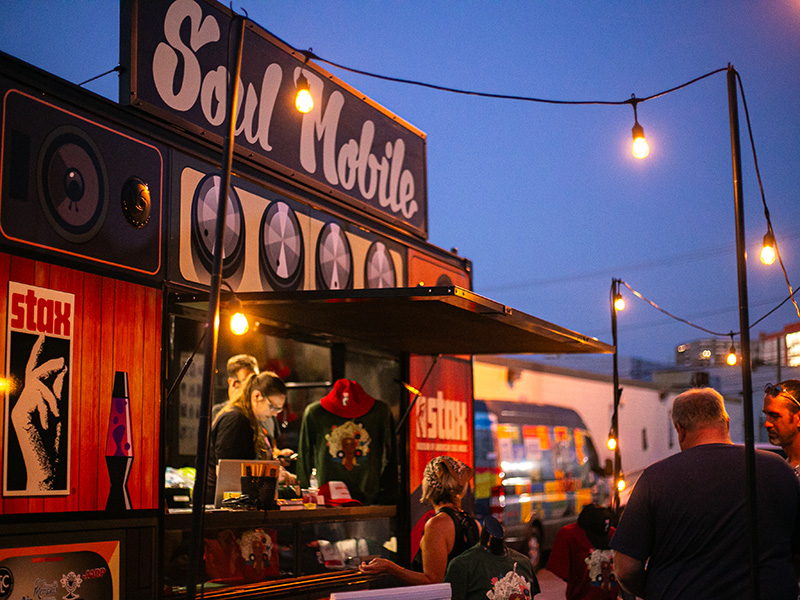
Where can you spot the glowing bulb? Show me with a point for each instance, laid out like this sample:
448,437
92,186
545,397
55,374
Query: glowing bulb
768,253
304,101
640,147
731,358
619,303
612,443
239,324
620,483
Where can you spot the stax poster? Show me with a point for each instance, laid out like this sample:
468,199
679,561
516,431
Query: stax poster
36,448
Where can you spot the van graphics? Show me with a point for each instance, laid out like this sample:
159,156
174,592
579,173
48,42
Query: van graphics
36,448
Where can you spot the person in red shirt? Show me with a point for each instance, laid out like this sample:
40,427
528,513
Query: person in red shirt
581,556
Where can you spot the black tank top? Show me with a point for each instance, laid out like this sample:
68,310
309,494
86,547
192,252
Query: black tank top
467,535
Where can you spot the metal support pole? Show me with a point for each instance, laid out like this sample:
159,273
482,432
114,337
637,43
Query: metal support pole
617,391
204,426
744,335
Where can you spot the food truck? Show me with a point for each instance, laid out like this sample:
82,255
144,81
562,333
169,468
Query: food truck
107,213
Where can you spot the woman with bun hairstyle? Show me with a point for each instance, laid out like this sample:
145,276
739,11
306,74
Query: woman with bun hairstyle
236,431
446,535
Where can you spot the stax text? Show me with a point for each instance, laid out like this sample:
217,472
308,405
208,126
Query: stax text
442,419
35,314
181,81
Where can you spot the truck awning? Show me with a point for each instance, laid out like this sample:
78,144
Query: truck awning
418,320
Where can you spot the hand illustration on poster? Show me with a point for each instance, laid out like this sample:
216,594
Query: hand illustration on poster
36,417
36,430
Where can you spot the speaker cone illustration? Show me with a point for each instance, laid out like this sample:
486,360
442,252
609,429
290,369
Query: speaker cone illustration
334,259
73,184
379,268
204,223
281,251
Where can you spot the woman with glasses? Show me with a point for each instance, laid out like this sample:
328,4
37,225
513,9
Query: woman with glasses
236,431
782,419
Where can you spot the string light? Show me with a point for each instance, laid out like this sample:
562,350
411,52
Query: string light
619,302
239,323
304,101
640,147
731,359
612,440
768,253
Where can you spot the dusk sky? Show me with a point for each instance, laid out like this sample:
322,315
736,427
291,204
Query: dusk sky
547,200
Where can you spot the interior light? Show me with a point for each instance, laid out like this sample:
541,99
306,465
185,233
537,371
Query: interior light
768,251
304,101
239,323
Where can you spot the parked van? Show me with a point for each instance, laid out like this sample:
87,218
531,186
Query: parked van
535,468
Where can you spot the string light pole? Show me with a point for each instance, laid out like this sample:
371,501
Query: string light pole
617,303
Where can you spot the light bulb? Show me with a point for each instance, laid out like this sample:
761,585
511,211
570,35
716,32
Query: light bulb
731,358
640,147
619,303
239,324
304,101
768,253
620,483
612,443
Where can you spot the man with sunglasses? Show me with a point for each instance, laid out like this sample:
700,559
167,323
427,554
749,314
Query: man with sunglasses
782,413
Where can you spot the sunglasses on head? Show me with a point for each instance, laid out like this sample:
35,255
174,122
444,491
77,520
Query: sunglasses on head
777,390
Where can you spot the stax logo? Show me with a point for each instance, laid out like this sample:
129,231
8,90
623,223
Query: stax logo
39,314
6,583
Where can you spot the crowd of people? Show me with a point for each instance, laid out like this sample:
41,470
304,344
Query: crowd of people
683,534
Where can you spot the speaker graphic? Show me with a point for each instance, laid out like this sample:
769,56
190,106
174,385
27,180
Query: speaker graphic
281,250
378,267
204,223
334,259
73,184
78,187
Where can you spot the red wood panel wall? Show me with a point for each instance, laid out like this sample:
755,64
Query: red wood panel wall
117,328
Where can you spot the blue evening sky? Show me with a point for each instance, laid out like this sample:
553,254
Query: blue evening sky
546,200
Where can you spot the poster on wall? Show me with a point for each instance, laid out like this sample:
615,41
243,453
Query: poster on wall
36,444
89,571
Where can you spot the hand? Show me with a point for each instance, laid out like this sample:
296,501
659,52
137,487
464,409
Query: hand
37,420
376,566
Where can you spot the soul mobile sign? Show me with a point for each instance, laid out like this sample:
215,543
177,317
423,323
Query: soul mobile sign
349,145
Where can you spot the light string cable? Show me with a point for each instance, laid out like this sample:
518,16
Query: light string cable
764,202
696,326
633,101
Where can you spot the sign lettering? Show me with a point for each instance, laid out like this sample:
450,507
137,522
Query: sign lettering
346,144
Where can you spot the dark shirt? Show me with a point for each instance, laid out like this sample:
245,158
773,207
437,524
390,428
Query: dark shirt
687,516
231,437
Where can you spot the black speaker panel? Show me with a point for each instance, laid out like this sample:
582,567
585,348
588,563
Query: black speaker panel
78,187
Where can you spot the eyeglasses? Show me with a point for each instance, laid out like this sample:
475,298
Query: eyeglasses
776,390
272,406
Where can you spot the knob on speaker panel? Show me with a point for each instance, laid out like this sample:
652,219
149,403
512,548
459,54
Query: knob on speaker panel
379,267
281,251
204,223
334,259
136,202
73,184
